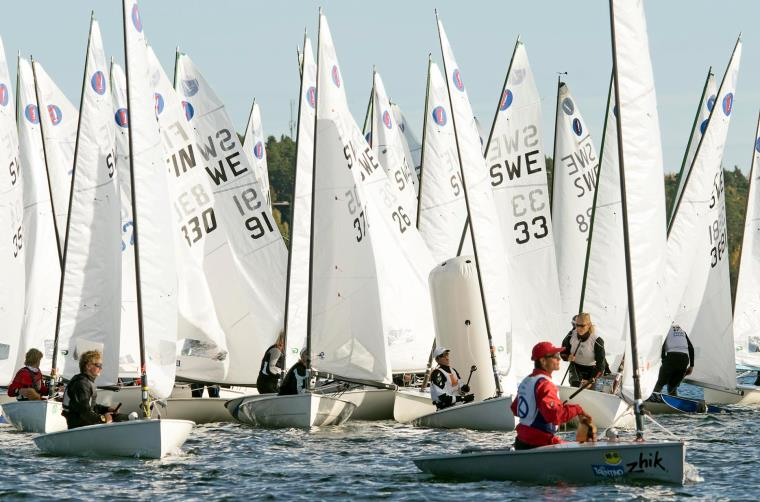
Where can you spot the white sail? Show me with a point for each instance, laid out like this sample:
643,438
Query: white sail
90,304
706,104
12,249
370,265
412,147
298,274
42,262
747,306
517,168
483,215
644,190
129,348
704,309
152,217
202,346
250,298
443,211
605,296
574,183
387,144
59,129
254,144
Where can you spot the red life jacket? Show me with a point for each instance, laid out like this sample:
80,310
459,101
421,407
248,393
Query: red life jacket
26,378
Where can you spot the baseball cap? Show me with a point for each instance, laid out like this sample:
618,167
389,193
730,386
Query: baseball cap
439,351
542,349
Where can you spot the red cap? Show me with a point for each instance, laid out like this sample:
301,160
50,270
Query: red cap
543,349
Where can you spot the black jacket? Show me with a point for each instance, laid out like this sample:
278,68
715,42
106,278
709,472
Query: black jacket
79,403
295,380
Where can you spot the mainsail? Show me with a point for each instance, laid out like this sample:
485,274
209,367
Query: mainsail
254,144
576,165
12,249
90,293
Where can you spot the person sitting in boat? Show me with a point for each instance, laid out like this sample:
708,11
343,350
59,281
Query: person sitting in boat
297,378
677,360
446,388
80,396
28,383
272,367
537,403
585,352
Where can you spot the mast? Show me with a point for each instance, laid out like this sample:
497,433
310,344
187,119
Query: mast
554,148
140,323
424,133
47,167
293,207
596,193
467,202
368,116
634,359
68,214
313,199
688,144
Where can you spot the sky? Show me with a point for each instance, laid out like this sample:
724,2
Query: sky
247,49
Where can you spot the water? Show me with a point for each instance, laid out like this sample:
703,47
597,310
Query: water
361,460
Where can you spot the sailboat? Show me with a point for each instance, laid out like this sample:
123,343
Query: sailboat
42,261
156,289
638,140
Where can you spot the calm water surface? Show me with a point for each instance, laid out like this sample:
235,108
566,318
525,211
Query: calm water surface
362,460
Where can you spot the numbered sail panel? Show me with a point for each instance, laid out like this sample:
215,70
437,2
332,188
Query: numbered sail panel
12,252
36,240
575,178
250,296
443,211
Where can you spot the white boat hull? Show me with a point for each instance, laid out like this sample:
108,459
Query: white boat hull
136,438
568,463
233,405
487,415
371,404
301,411
201,410
409,405
747,395
35,416
607,410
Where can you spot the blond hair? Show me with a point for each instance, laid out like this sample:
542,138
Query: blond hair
33,356
87,358
585,318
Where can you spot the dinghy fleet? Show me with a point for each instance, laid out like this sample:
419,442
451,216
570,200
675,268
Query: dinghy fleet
143,228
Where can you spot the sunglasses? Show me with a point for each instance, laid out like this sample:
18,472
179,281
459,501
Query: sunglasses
580,325
98,365
552,356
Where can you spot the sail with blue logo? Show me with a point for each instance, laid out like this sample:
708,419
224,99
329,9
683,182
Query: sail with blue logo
129,350
58,121
152,214
90,297
443,211
12,249
698,253
202,346
250,298
42,266
576,165
254,144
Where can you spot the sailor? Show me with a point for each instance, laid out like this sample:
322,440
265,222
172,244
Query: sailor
585,351
79,398
296,379
272,367
28,383
446,388
537,404
677,360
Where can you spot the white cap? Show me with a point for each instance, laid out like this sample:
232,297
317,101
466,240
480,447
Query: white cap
439,351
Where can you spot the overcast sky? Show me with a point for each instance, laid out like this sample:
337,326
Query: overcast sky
247,49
